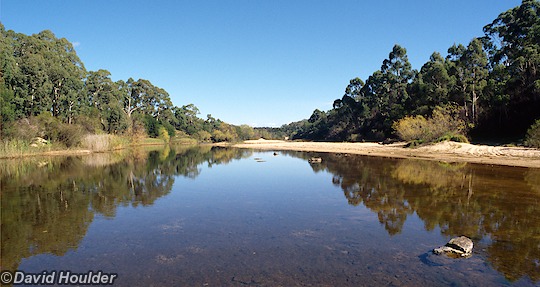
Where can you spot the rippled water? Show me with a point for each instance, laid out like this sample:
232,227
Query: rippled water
203,216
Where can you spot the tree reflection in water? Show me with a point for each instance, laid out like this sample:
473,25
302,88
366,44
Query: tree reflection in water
47,204
493,204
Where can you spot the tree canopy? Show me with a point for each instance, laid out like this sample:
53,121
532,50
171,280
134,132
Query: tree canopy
42,77
493,80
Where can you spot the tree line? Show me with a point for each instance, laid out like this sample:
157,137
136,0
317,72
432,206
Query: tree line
46,90
491,85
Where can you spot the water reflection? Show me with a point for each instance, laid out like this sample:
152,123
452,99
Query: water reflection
48,203
496,206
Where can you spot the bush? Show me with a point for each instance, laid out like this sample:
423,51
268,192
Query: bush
218,136
70,135
25,129
89,124
137,130
152,126
170,129
444,124
454,138
203,136
533,135
163,134
411,128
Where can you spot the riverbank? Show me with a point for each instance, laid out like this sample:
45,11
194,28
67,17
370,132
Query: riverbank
27,151
444,151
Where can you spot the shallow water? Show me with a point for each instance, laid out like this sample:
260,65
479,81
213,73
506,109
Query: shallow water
204,216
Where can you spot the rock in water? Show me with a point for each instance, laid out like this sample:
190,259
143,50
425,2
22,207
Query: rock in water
459,246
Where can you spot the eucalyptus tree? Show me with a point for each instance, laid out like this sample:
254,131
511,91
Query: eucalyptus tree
515,54
468,68
476,63
430,86
386,94
65,72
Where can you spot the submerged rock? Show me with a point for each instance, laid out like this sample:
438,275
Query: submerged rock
457,247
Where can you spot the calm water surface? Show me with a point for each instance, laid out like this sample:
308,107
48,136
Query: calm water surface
204,216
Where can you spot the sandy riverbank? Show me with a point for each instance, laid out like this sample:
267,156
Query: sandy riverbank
444,151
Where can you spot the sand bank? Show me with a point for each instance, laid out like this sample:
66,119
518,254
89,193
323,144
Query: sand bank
444,151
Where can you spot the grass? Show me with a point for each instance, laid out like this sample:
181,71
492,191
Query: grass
104,142
184,140
149,141
15,148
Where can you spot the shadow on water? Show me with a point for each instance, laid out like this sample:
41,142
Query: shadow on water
47,204
497,206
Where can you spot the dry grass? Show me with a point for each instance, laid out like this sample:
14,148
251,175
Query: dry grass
104,142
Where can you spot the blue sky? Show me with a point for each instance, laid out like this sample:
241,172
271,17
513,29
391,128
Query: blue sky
262,63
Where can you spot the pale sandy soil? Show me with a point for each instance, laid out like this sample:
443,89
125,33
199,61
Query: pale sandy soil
444,151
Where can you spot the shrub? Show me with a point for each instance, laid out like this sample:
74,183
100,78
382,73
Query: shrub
454,138
444,124
89,124
25,129
203,136
411,128
70,135
137,130
218,136
170,129
163,134
533,135
152,126
48,125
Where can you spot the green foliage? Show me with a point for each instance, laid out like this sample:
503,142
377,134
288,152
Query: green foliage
533,135
170,129
14,147
245,132
203,136
163,134
46,91
218,136
494,82
89,124
152,126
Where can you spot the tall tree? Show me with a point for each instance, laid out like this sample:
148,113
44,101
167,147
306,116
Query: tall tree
386,91
430,86
515,47
476,64
468,68
65,72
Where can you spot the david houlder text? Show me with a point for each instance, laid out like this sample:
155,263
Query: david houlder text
65,278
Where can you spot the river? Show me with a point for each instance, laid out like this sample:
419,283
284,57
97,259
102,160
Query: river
211,216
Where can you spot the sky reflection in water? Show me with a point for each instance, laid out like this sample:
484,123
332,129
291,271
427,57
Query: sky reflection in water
194,216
